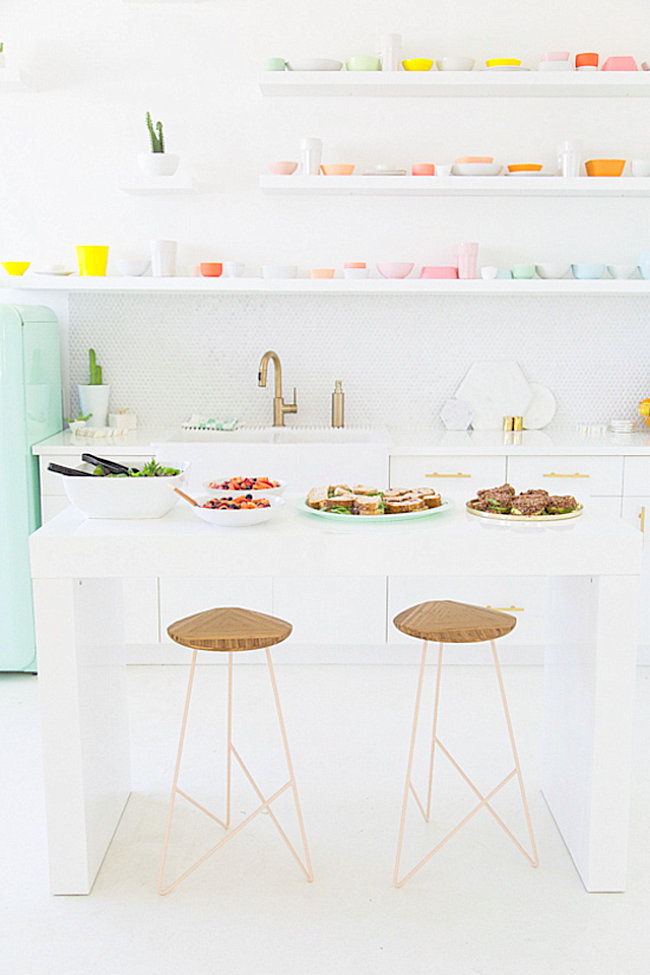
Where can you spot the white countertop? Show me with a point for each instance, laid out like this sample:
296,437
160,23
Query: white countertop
179,544
403,442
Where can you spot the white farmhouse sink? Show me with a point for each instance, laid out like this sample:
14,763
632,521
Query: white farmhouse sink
303,456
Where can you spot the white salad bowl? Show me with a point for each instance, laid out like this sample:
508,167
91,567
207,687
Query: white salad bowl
124,497
231,518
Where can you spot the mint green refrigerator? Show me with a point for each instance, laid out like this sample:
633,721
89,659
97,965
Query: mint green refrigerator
30,402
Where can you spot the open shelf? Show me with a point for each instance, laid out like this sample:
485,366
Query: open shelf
588,186
407,286
159,185
458,83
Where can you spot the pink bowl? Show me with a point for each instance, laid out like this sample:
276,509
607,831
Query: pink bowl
423,169
321,272
555,56
394,269
283,168
438,272
626,63
354,264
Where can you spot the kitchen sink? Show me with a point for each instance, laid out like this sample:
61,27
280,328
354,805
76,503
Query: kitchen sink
303,456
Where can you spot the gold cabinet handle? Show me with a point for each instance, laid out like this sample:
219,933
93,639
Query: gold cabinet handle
506,609
436,474
553,474
641,515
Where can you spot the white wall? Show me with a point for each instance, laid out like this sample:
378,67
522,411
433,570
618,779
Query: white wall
100,65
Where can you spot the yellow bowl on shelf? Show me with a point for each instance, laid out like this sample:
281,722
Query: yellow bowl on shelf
503,63
417,64
604,167
15,267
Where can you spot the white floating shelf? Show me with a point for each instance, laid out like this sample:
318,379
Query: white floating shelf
590,186
159,185
458,83
335,286
11,79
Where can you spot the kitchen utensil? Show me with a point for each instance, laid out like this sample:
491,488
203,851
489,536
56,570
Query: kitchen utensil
587,271
474,159
68,471
186,497
440,272
355,264
417,64
569,157
621,270
314,64
283,168
588,59
640,167
110,466
455,64
130,267
503,62
337,169
311,152
604,167
394,269
321,272
279,271
211,269
467,257
92,260
260,493
626,63
541,409
476,169
390,47
523,271
489,272
555,56
233,269
15,268
124,497
443,169
237,518
363,63
423,169
163,258
524,167
552,270
274,64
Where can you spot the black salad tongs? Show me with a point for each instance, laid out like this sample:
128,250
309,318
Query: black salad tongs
107,466
70,471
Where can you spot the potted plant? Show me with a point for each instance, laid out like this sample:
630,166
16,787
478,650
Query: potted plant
2,55
77,423
94,396
157,162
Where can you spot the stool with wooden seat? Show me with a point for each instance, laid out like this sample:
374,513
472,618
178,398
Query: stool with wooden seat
232,630
451,622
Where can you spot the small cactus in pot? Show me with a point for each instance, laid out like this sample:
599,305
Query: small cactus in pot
158,162
94,395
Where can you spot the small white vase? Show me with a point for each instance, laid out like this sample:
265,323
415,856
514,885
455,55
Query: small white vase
94,399
158,163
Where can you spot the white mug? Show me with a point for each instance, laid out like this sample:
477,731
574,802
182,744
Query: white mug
489,272
311,156
640,167
163,258
232,269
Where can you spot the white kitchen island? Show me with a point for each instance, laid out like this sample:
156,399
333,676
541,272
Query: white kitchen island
592,565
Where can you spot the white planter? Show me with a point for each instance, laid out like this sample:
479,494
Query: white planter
158,163
94,399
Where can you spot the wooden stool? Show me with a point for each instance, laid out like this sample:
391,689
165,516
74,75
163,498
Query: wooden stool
451,622
229,630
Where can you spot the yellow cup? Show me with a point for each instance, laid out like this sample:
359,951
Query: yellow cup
92,260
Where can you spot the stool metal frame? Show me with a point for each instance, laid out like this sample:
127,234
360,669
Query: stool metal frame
232,752
484,799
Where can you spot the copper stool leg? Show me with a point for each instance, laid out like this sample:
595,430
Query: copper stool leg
484,799
232,751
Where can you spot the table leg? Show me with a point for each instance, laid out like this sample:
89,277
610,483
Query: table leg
589,677
84,722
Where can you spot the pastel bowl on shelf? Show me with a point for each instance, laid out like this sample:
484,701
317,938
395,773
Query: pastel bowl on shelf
355,273
395,269
423,169
15,268
363,63
211,269
605,167
337,169
523,272
417,64
626,63
131,267
552,270
440,272
321,272
314,64
455,64
476,169
587,59
640,167
555,56
622,271
524,167
587,272
283,167
279,271
503,63
474,159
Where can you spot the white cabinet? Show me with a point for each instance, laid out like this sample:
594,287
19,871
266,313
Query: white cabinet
579,476
637,476
340,611
457,478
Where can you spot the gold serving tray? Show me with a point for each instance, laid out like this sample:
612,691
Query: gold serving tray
519,519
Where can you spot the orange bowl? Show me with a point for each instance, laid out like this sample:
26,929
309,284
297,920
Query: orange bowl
604,167
338,169
524,167
211,269
475,159
321,272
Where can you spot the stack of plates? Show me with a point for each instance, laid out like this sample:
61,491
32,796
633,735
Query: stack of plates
622,426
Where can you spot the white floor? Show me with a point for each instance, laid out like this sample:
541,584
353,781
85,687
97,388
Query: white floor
477,908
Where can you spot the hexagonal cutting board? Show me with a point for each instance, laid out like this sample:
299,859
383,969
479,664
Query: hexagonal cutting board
494,389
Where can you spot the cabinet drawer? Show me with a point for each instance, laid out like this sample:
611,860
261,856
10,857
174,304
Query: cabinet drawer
637,476
183,597
580,476
459,477
340,611
522,597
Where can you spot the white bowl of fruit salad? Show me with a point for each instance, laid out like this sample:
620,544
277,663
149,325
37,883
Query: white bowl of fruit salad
222,487
237,510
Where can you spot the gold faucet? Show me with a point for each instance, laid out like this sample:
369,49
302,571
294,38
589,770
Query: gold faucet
279,406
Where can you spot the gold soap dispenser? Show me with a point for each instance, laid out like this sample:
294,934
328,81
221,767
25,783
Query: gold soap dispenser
338,405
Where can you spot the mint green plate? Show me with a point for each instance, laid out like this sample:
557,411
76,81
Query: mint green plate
373,519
